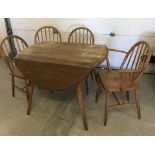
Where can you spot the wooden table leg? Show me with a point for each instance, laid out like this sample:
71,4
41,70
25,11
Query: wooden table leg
30,89
81,104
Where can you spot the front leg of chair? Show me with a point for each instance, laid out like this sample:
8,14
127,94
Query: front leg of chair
91,74
86,84
13,85
99,85
106,108
128,95
97,92
137,100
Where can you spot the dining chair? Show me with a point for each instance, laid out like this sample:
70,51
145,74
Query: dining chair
126,79
82,35
10,46
47,34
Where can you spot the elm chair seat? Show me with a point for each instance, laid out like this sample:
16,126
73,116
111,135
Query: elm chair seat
112,81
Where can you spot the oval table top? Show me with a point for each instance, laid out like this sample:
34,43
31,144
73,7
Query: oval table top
59,66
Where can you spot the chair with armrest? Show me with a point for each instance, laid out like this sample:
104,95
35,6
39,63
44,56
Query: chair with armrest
126,79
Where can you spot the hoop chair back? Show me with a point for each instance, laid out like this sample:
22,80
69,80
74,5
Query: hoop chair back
47,34
81,35
10,46
137,59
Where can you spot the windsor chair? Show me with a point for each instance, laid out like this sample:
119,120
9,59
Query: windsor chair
10,46
81,35
126,79
47,34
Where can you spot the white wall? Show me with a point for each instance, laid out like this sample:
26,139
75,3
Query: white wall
2,29
128,31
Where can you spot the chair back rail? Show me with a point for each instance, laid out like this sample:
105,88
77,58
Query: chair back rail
47,34
137,57
7,52
135,62
81,35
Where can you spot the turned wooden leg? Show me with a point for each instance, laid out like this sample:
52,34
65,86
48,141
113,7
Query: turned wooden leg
123,96
99,86
31,90
86,83
81,104
29,93
97,92
29,108
137,103
91,74
13,86
106,108
28,100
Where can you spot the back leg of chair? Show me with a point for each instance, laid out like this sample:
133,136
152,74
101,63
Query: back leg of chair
97,92
13,85
137,101
128,95
86,83
99,85
106,107
91,74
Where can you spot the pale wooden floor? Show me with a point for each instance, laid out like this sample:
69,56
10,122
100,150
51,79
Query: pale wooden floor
58,113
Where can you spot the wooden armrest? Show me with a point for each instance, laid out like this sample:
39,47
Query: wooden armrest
115,50
110,49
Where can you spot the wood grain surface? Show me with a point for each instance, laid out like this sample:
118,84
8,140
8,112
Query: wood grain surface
59,66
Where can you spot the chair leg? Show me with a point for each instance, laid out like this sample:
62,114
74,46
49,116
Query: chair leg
99,85
91,74
29,107
128,95
28,98
97,92
13,86
86,83
106,108
123,96
137,103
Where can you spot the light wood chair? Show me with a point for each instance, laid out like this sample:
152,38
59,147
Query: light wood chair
10,46
126,79
47,34
82,35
